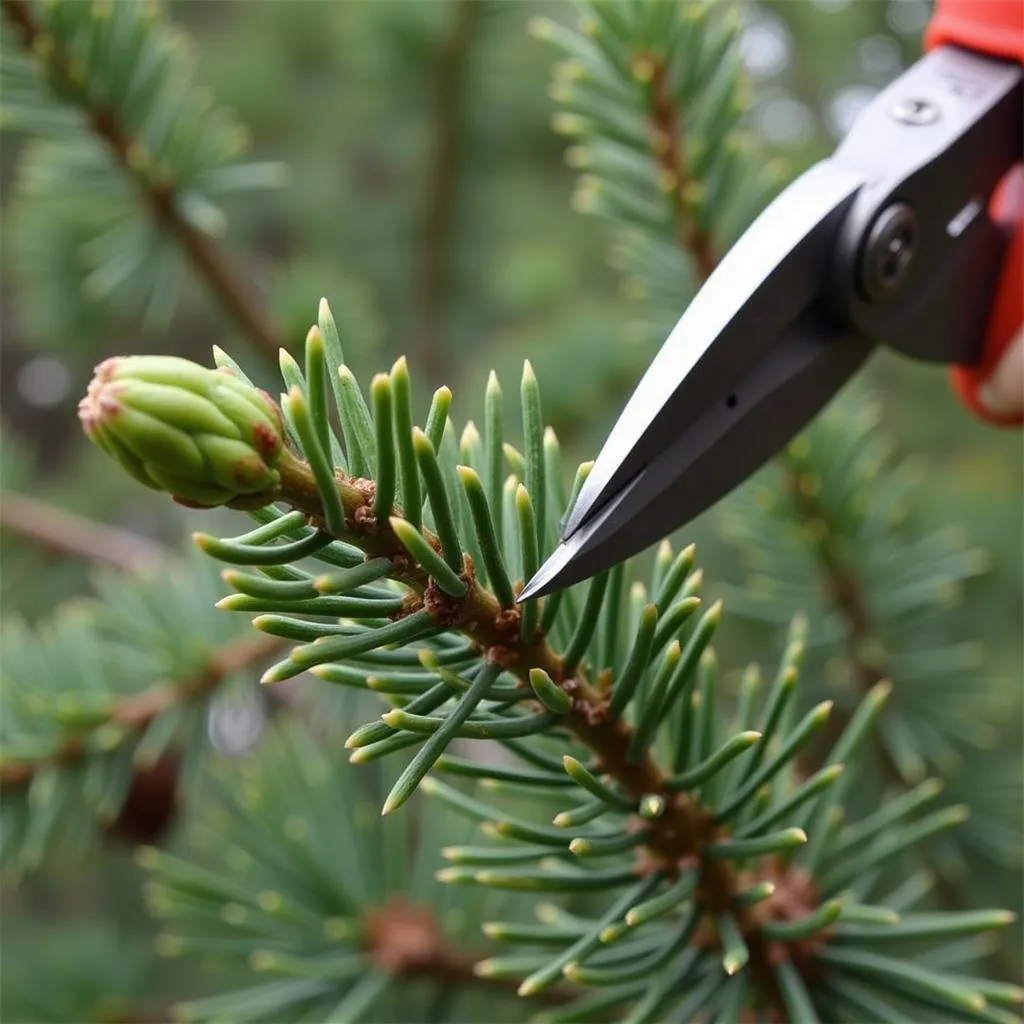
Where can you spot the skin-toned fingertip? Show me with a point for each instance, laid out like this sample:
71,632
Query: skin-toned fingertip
1003,393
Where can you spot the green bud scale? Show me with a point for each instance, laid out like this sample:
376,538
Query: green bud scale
203,435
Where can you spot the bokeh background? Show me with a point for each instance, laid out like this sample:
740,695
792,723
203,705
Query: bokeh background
428,197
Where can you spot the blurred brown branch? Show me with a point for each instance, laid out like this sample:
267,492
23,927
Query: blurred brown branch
442,187
160,197
670,154
65,533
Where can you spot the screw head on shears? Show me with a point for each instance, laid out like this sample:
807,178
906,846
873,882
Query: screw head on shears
889,251
915,111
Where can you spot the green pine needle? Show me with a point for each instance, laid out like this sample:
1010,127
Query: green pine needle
435,745
382,401
553,697
487,535
409,477
423,554
437,494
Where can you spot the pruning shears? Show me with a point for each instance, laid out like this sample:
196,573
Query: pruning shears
895,239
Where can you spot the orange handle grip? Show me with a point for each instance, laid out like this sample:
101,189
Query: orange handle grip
996,28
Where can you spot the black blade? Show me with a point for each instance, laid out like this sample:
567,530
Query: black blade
765,283
778,396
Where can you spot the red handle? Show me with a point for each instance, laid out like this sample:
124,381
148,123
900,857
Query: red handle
996,28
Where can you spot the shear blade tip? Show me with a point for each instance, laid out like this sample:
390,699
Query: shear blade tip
535,587
548,576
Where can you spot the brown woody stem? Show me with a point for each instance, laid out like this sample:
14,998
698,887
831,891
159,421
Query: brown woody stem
667,120
159,195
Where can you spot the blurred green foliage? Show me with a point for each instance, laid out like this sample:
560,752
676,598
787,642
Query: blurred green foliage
429,198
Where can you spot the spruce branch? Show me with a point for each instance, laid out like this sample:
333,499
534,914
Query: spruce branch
106,704
684,828
133,714
295,858
65,533
159,194
846,592
708,815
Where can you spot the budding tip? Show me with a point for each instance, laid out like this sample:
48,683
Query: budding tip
882,690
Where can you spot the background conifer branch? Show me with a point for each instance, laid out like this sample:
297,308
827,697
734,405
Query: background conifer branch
406,942
159,195
136,712
848,593
66,533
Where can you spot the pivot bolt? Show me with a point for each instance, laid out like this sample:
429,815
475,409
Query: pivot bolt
915,111
889,251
